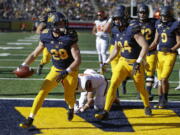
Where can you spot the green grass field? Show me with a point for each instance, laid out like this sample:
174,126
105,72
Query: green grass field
14,47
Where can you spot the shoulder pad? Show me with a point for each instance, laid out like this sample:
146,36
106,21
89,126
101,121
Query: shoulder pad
73,34
133,21
176,26
45,31
135,27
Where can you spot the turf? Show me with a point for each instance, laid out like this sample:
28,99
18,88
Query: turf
12,87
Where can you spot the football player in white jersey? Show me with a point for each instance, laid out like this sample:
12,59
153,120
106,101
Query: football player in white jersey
102,38
93,88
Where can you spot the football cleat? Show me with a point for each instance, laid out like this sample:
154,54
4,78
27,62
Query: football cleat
156,106
70,114
148,111
177,88
39,69
102,116
151,97
163,105
27,123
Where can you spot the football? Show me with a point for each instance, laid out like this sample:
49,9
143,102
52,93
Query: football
23,72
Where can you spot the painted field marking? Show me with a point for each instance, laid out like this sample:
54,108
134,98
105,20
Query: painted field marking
5,54
18,43
53,120
27,40
11,48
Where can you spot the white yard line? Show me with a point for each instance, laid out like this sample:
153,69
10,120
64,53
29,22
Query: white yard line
16,43
40,60
24,79
28,40
28,79
11,48
55,99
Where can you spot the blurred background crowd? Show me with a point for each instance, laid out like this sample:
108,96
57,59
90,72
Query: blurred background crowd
78,10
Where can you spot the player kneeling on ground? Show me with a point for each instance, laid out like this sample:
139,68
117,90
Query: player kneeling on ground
93,88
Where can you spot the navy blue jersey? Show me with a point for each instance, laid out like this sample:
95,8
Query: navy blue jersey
114,32
129,47
148,31
59,48
167,34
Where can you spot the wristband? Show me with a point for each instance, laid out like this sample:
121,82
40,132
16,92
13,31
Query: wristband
139,60
68,70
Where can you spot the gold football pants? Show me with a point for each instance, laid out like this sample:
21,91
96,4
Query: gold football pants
121,72
69,84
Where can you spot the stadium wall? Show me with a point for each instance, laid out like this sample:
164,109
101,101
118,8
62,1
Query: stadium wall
16,25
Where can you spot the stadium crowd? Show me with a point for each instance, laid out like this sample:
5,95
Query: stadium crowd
80,10
32,9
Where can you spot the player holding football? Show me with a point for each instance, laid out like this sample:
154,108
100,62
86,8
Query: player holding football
44,24
148,31
102,38
61,43
168,39
133,49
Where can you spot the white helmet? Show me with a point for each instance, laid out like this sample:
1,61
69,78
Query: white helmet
90,71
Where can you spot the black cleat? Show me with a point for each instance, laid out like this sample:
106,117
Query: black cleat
70,114
39,69
124,91
157,106
27,123
163,105
151,97
148,111
102,116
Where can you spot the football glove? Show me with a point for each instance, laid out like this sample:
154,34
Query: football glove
136,68
62,75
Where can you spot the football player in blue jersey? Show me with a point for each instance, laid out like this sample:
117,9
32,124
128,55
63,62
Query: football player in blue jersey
61,43
168,40
133,47
113,28
148,31
44,23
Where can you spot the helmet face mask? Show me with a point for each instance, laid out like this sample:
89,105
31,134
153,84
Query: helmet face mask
59,27
100,15
118,21
58,23
164,19
120,17
166,14
143,12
